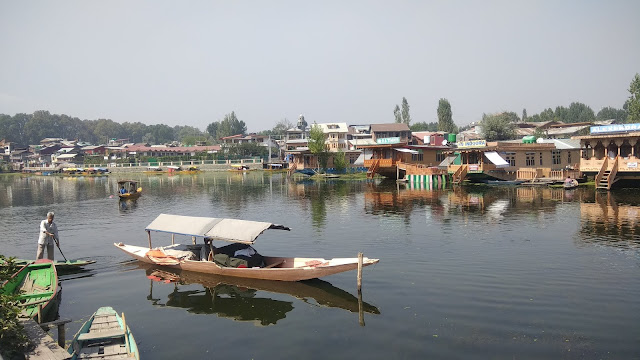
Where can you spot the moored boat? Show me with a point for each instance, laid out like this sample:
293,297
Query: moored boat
505,182
570,184
154,170
206,258
36,286
128,189
59,264
104,336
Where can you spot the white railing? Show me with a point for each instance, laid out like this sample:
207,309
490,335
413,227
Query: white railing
177,163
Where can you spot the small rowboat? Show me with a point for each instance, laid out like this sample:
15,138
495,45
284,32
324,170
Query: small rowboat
570,184
60,265
131,188
199,257
36,286
104,336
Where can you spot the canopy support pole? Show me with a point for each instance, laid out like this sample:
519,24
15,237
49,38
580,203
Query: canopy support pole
173,239
149,237
193,240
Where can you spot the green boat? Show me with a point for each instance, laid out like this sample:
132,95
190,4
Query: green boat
60,265
37,287
104,336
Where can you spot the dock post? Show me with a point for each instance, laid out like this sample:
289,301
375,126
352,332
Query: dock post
61,339
360,259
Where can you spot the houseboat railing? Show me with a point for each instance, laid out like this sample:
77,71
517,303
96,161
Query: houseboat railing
460,174
612,174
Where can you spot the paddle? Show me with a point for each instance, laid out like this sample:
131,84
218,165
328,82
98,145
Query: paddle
58,245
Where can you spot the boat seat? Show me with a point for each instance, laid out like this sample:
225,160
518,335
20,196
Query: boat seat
101,335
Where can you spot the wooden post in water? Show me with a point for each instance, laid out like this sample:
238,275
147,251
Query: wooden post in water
149,236
360,259
39,313
61,339
360,309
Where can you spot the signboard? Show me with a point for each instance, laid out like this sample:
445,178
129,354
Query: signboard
389,140
631,165
472,144
614,128
473,167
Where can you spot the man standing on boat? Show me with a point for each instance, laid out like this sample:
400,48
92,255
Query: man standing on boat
48,234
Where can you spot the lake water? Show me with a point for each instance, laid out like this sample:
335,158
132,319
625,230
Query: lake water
465,273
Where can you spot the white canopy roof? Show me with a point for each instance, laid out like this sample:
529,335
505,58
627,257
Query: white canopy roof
243,231
496,159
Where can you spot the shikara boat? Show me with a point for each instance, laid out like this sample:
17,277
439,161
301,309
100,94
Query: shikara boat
154,170
59,264
191,170
36,286
239,167
131,188
198,257
570,184
104,336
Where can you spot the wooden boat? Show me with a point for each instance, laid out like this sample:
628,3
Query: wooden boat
156,170
197,257
239,167
191,170
59,264
131,186
36,286
104,336
570,184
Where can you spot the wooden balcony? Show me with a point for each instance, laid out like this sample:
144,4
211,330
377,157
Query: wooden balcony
380,162
627,164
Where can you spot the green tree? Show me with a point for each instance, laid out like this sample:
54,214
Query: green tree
317,145
397,114
228,126
633,103
445,117
578,112
13,339
497,127
406,117
607,113
281,127
423,126
339,161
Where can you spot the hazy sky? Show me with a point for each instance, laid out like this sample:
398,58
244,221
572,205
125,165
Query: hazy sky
191,62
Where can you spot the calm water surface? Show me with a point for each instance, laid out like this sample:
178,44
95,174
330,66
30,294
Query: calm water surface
465,273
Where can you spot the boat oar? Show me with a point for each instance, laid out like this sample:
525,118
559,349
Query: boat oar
58,245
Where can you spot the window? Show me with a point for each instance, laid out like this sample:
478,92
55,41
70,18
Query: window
417,157
556,157
569,157
540,159
530,159
510,157
440,156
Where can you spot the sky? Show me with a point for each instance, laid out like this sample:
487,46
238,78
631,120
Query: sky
192,62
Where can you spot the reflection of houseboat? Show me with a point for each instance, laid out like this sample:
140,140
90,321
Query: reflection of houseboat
611,153
545,160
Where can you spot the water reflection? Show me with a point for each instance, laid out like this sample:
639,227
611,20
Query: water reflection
607,221
246,299
127,205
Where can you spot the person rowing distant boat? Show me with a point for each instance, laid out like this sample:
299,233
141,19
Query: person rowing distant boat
48,234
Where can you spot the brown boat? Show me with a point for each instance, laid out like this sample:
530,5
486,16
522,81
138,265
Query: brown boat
204,258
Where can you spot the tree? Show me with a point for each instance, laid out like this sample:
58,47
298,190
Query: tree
578,112
339,161
230,125
317,146
445,119
423,126
281,127
633,103
397,114
497,127
406,118
524,115
607,113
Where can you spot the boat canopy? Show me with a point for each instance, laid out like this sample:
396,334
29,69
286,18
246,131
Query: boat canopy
233,230
496,159
121,182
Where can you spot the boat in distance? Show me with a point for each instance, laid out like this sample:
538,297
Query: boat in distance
205,258
104,336
129,189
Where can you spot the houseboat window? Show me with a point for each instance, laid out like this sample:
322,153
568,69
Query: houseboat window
569,157
540,159
510,157
417,157
530,158
556,157
625,149
440,156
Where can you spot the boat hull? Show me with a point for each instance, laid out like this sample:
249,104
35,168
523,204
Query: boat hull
105,329
130,196
36,285
290,269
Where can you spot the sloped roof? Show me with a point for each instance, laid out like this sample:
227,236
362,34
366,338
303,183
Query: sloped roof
389,127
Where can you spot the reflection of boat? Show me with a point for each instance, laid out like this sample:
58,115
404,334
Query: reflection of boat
237,231
132,191
36,286
504,182
104,336
239,298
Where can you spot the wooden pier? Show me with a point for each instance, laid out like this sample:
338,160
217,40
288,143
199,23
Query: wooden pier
45,347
